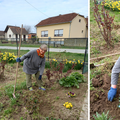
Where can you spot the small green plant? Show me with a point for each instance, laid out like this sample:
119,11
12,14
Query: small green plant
21,118
13,101
73,80
95,51
91,86
57,98
102,116
1,107
7,111
9,89
0,94
94,73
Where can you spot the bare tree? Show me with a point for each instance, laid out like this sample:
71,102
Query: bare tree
28,28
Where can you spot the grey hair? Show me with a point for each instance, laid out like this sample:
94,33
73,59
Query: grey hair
43,46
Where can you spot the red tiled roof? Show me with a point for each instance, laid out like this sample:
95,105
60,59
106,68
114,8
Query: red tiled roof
58,19
16,30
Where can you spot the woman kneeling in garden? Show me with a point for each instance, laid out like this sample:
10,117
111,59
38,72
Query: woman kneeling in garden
114,79
34,63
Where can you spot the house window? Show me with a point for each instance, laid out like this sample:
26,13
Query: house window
79,20
58,33
44,33
9,36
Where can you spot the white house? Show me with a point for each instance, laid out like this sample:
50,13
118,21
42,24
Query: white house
13,33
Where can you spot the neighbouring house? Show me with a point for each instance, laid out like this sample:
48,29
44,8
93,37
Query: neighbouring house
31,35
13,33
71,25
2,34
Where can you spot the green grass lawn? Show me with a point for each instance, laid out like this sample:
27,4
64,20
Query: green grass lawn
52,55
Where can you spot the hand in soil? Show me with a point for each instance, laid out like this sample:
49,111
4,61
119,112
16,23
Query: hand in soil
112,93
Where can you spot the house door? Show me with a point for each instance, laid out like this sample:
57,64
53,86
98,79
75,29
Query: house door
16,37
24,37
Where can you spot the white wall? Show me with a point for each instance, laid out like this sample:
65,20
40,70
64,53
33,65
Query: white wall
9,32
13,36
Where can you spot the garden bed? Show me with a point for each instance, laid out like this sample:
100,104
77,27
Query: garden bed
98,95
37,104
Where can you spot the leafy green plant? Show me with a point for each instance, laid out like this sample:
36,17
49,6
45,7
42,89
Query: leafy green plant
13,101
94,50
1,107
7,111
57,97
9,89
21,118
0,94
94,73
91,86
102,116
78,76
73,80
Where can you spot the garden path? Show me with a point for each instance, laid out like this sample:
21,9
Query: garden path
51,49
84,112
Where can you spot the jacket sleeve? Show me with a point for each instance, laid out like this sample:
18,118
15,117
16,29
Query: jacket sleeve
27,55
115,72
42,67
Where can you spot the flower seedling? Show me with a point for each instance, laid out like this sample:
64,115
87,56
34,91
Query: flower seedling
68,105
70,94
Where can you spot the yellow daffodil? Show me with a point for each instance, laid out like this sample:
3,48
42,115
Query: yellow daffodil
68,105
64,104
54,59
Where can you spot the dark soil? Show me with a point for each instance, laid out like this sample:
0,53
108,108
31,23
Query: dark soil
105,50
38,104
98,97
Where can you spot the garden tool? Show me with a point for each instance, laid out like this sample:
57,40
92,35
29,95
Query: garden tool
17,63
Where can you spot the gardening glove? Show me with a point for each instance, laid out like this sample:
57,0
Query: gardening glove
18,60
40,77
112,93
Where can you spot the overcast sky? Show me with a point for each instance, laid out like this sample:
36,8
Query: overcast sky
31,12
